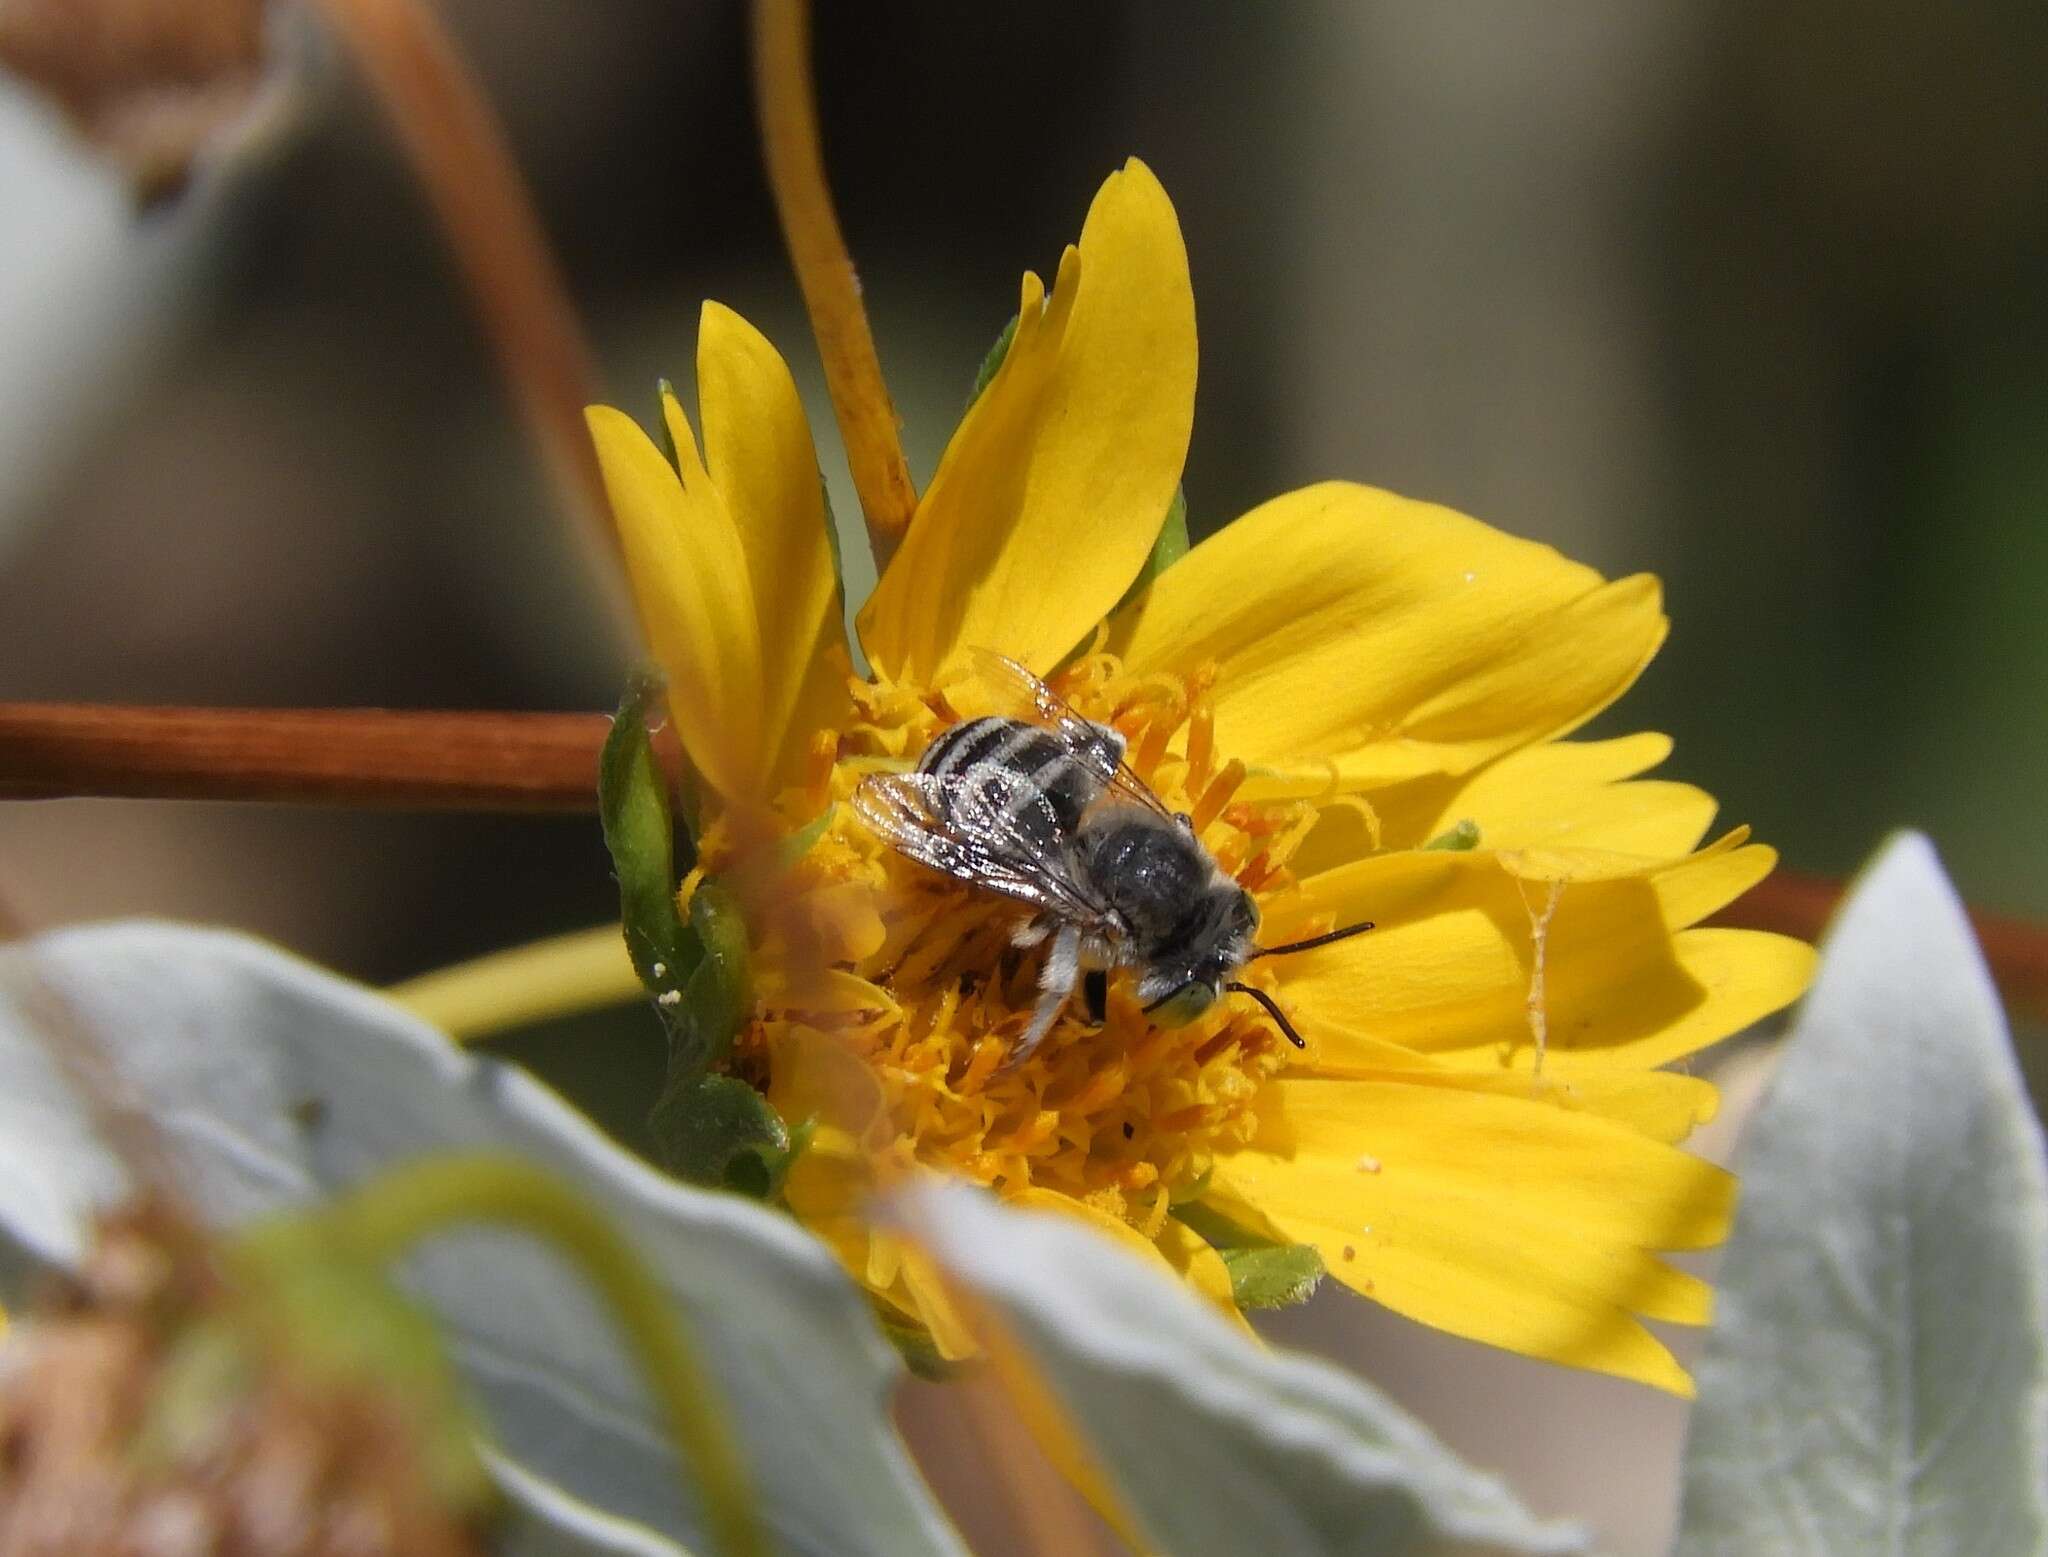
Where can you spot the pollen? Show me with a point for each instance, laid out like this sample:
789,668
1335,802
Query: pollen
1123,1115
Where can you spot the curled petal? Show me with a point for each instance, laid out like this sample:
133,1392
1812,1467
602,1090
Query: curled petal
1447,971
757,445
1053,489
1360,639
690,582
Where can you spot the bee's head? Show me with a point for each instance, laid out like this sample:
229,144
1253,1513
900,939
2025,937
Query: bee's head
1184,1003
1215,943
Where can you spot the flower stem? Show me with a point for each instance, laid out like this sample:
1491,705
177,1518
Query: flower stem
585,970
458,150
383,1218
787,102
326,756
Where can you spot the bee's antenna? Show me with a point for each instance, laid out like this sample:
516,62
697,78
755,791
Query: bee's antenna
1273,1010
1313,941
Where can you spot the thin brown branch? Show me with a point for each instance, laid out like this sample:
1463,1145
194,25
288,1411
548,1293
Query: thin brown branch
1794,903
382,759
787,103
367,757
458,150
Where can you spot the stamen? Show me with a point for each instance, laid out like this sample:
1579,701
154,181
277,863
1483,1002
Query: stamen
1219,793
819,759
1151,743
1201,745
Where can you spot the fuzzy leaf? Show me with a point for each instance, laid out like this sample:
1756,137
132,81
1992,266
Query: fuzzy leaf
275,1083
1215,1446
1875,1378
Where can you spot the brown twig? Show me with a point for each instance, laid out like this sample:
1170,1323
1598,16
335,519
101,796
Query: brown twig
1795,903
458,150
368,757
788,108
389,760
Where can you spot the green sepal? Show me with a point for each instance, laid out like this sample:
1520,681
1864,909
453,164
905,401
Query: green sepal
914,1344
992,364
639,831
1168,547
1464,836
719,1132
1263,1273
704,1022
1273,1275
799,843
1192,1191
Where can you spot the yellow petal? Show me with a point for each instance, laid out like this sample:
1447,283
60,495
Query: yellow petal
1509,1222
1361,639
1447,970
812,1075
1569,794
757,443
1202,1268
1055,485
1561,794
934,1301
689,576
1665,1105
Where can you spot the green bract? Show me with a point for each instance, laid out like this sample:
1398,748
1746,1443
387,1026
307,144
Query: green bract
1263,1274
709,1128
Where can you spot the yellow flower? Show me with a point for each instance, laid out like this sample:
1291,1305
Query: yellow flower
1328,685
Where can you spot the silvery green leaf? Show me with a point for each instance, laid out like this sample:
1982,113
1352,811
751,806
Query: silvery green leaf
539,1519
1215,1445
275,1083
1875,1378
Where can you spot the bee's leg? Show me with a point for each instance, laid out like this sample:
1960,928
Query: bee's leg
1032,931
1055,983
1098,956
1095,995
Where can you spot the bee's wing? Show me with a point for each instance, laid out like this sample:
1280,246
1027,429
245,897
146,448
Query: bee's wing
1098,748
971,830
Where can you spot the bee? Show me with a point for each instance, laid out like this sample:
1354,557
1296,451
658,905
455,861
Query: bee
1046,811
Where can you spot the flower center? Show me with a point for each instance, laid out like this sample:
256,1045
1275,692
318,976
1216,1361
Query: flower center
916,976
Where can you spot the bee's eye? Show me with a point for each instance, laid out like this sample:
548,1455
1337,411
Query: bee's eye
1184,1004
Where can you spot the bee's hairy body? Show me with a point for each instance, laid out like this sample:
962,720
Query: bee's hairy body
1166,909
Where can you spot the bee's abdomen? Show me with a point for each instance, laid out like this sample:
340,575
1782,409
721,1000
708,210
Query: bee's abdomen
1059,787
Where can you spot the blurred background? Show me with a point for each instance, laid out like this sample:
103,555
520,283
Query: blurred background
1748,295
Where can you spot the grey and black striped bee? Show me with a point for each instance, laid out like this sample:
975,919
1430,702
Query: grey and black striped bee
1045,810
